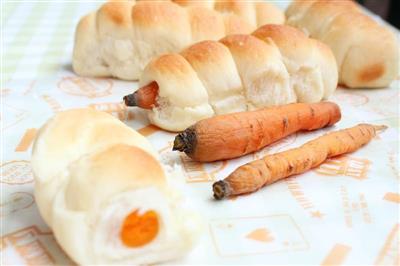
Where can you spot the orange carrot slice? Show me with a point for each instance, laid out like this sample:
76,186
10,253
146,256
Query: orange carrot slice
138,230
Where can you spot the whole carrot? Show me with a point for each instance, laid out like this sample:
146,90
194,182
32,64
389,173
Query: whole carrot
254,175
233,135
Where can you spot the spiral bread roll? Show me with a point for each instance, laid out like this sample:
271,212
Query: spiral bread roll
367,53
100,188
275,65
121,37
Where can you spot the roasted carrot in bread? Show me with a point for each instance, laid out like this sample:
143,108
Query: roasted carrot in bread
254,175
233,135
145,97
138,230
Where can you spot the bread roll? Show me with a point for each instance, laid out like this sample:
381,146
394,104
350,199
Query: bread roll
91,173
367,53
275,65
122,36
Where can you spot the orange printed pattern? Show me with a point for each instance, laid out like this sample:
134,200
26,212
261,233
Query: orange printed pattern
199,172
256,235
298,194
345,166
13,117
5,92
26,140
16,201
118,110
16,172
87,87
26,243
393,163
194,171
393,197
52,102
148,130
30,87
390,252
337,255
261,234
32,247
353,208
353,98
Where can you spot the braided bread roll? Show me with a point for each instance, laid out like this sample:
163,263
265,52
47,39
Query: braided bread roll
275,65
101,189
367,53
121,37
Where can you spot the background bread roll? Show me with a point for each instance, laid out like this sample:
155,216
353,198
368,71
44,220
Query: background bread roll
367,53
121,37
92,172
275,65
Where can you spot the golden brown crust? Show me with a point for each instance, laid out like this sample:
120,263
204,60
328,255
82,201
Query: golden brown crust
204,51
371,73
155,13
206,24
117,12
118,168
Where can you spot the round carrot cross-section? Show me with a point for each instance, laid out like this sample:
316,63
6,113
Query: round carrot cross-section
139,229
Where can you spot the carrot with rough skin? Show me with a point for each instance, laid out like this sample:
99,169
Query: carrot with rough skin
233,135
139,230
145,97
254,175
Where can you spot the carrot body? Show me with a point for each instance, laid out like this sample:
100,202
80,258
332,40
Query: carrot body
145,97
138,230
233,135
254,175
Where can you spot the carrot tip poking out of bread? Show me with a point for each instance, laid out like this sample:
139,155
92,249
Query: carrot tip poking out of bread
145,97
254,175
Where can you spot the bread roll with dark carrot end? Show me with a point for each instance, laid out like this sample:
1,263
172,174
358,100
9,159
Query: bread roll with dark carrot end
234,135
272,168
275,65
366,52
120,38
104,194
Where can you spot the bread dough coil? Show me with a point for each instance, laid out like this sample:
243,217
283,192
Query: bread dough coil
122,36
274,65
91,173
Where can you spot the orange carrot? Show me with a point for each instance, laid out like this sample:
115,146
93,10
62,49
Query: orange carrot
138,230
145,97
254,175
233,135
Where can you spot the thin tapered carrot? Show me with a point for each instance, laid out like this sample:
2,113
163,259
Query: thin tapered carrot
233,135
254,175
145,97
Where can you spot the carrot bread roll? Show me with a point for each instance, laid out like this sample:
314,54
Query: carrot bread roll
275,65
121,37
101,189
366,52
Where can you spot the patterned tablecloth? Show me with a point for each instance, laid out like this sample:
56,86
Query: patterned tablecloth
344,212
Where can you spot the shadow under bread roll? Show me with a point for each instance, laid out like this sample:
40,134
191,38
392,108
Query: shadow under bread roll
103,192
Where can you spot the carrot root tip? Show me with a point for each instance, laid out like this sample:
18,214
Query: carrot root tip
380,128
130,100
221,190
185,141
